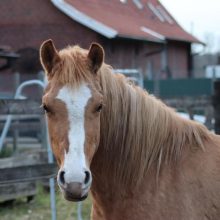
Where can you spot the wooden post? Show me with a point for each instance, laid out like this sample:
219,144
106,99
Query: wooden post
43,132
15,138
16,80
209,115
16,131
216,104
190,112
157,85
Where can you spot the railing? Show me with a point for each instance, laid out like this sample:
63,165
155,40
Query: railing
11,108
34,172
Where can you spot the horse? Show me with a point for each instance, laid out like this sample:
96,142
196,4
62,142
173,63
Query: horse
139,159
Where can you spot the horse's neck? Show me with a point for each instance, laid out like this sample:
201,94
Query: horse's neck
138,132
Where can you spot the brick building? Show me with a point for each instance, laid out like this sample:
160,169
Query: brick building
135,33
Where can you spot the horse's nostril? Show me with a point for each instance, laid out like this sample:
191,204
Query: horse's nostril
87,178
61,177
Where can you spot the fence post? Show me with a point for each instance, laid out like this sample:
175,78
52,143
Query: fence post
16,131
51,180
216,104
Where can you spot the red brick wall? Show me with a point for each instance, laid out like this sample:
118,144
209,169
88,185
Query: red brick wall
178,59
27,23
136,54
121,53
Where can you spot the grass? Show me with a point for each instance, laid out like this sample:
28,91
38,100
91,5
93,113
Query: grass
39,208
6,152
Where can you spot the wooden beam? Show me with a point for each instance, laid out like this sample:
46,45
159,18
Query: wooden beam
27,173
24,126
17,190
20,106
33,157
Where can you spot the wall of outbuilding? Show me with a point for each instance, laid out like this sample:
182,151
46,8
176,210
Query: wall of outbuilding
27,23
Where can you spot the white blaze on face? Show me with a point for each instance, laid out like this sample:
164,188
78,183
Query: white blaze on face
74,160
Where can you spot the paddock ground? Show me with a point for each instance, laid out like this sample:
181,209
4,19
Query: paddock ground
39,208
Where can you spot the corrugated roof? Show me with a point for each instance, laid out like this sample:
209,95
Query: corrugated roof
126,19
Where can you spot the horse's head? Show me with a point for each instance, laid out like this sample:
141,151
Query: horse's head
73,102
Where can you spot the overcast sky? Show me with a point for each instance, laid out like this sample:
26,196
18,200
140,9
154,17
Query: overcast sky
202,18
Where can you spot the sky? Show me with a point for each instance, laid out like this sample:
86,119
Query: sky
201,18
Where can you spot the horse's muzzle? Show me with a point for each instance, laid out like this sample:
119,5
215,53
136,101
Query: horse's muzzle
74,192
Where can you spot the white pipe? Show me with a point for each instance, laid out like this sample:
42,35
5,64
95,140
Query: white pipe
79,211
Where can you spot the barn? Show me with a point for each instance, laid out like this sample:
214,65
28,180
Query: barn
138,34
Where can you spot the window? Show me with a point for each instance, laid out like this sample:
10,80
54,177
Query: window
164,14
156,12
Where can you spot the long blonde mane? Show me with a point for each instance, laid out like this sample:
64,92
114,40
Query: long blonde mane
137,130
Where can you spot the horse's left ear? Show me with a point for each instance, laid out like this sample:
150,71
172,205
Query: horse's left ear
96,55
48,56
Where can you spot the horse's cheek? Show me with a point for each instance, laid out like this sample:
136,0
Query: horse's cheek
56,144
92,140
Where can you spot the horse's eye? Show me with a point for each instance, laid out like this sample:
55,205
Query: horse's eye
99,108
46,109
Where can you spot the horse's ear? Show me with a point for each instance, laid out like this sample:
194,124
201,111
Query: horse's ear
96,55
48,56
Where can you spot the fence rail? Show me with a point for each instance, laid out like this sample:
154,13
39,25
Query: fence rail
30,173
20,106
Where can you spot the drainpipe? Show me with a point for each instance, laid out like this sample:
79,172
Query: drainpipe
164,66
